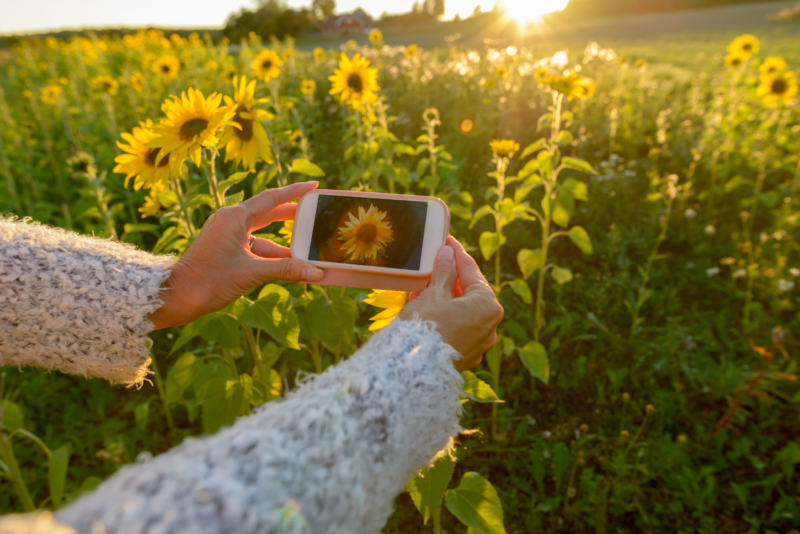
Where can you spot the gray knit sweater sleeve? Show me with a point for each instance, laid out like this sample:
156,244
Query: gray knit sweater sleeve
340,449
76,303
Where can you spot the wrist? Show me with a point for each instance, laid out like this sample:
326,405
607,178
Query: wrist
179,300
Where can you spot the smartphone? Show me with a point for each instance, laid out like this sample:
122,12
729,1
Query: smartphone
358,234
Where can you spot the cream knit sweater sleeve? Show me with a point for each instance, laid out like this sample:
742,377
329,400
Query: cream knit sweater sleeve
75,303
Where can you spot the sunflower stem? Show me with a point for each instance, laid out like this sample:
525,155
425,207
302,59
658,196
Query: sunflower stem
208,164
282,179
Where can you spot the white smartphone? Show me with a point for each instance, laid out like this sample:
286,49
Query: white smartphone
380,233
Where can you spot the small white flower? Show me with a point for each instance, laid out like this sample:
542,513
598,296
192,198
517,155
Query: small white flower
571,492
690,213
710,230
785,285
546,434
794,271
546,455
712,271
740,273
170,335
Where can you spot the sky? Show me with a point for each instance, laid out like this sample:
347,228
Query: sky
36,15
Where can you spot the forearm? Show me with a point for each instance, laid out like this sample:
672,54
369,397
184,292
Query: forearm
342,446
75,303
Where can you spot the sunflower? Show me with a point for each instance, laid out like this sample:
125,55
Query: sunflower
149,59
501,72
308,87
288,54
365,235
772,66
286,231
82,163
152,205
211,66
137,81
245,144
542,76
778,89
267,65
391,301
229,73
140,161
735,60
167,67
192,122
351,44
105,84
50,94
319,55
582,88
745,45
354,81
375,36
504,148
411,51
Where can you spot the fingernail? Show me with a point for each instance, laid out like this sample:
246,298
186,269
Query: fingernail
312,274
445,256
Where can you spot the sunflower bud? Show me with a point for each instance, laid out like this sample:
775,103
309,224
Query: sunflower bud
626,397
650,409
625,435
682,440
584,428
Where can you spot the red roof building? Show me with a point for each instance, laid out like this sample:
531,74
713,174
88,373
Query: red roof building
356,22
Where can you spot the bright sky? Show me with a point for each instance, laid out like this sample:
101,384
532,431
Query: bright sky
33,15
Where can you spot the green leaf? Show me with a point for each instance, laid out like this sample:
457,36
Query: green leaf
489,243
221,329
577,188
528,261
198,200
332,320
236,198
565,138
181,376
533,147
188,332
476,504
560,462
787,458
462,212
303,166
522,289
142,415
522,191
262,179
168,198
581,238
232,180
11,415
561,275
534,358
222,403
422,166
274,313
538,469
545,163
88,484
735,182
428,487
578,165
479,214
139,228
478,390
564,208
401,148
170,234
531,167
57,464
543,121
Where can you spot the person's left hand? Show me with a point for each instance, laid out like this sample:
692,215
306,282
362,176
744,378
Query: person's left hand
219,266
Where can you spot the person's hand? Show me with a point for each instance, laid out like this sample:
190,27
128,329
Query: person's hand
461,304
219,266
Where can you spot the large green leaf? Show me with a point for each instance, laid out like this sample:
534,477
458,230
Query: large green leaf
222,329
533,147
428,487
332,320
222,403
522,289
578,165
581,238
57,464
478,390
563,208
303,166
489,243
189,332
476,504
560,462
529,260
576,188
561,275
479,214
181,376
274,313
232,180
534,358
531,167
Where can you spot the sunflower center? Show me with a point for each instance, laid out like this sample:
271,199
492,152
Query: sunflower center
779,86
747,47
355,83
267,64
165,69
193,127
246,133
367,232
153,155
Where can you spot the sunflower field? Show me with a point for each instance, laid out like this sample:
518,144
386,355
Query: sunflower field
638,221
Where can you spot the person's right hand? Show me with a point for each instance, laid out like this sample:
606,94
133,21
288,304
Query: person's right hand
461,304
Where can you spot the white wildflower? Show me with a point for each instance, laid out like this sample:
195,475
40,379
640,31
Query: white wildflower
690,213
794,271
710,230
785,285
739,273
712,271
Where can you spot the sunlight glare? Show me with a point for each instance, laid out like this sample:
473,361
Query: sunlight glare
524,11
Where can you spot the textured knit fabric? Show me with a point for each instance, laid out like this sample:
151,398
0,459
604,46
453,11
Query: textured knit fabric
76,304
339,449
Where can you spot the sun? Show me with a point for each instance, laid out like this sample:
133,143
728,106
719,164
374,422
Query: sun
524,11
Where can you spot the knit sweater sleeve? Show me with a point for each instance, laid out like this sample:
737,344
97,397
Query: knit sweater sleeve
75,303
339,449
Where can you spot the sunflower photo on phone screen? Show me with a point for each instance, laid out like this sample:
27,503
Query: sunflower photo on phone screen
365,235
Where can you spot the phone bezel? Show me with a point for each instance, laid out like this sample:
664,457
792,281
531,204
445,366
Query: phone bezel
435,235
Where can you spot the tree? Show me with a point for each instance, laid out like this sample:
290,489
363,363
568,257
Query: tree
323,8
438,8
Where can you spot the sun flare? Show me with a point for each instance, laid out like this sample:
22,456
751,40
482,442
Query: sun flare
524,11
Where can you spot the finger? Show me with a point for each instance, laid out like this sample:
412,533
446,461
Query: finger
284,270
284,212
469,275
265,248
444,275
266,201
458,292
413,296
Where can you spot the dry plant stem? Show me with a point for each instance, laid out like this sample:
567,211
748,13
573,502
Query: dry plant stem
162,394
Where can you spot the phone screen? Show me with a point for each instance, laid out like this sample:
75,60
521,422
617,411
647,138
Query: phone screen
369,231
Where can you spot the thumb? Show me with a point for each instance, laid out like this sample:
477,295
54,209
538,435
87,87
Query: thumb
444,275
284,270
